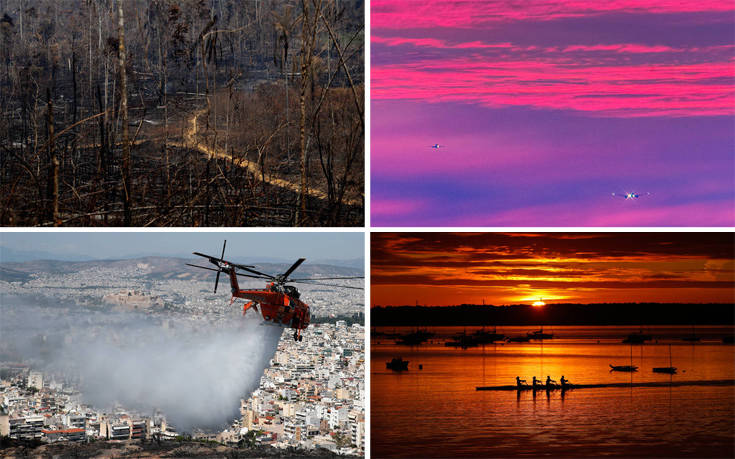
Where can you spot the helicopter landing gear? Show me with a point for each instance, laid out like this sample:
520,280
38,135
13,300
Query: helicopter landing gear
297,336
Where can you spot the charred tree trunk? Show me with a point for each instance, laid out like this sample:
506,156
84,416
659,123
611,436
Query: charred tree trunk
308,36
53,176
163,100
75,153
127,192
102,158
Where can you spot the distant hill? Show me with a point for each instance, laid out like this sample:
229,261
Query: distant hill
352,263
12,275
162,268
557,314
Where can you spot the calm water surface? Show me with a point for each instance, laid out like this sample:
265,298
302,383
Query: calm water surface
436,412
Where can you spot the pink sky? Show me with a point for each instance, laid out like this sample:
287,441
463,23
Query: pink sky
546,108
466,13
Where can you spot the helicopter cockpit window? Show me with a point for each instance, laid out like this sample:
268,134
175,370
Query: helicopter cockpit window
292,291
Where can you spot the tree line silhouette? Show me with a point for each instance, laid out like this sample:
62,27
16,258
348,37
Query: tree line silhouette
556,314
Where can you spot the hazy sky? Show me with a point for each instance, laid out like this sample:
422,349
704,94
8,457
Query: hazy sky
251,245
547,108
456,268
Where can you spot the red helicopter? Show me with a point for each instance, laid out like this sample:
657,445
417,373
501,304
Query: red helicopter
279,303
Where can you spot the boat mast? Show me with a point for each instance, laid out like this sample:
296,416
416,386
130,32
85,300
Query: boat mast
631,355
670,365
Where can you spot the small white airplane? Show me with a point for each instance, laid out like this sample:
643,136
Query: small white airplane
629,195
437,146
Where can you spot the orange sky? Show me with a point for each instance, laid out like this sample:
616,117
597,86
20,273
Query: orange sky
456,268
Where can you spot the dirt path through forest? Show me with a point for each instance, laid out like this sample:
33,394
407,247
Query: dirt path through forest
190,139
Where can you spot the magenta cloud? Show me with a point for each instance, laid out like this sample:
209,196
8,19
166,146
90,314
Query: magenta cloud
608,79
623,90
400,14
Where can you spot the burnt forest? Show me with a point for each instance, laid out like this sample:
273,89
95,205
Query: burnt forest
182,113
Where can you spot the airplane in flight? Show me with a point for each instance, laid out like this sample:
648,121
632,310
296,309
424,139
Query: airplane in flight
629,195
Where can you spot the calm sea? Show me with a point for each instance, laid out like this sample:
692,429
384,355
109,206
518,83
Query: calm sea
436,411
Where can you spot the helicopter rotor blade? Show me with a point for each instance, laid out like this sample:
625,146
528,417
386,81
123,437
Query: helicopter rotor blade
213,260
292,268
254,277
222,257
327,285
325,278
236,265
216,261
250,270
202,267
216,281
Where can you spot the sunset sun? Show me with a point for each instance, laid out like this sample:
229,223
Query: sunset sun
539,304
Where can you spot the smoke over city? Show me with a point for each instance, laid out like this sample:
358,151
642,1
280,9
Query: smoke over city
193,370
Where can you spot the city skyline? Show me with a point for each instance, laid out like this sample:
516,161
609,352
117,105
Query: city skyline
543,110
498,268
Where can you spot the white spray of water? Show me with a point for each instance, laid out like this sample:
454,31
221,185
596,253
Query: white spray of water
195,373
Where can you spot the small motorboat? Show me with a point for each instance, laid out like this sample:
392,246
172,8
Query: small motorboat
462,340
637,338
627,368
397,364
668,370
540,335
414,338
484,337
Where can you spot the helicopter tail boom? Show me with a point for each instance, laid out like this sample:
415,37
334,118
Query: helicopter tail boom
233,280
